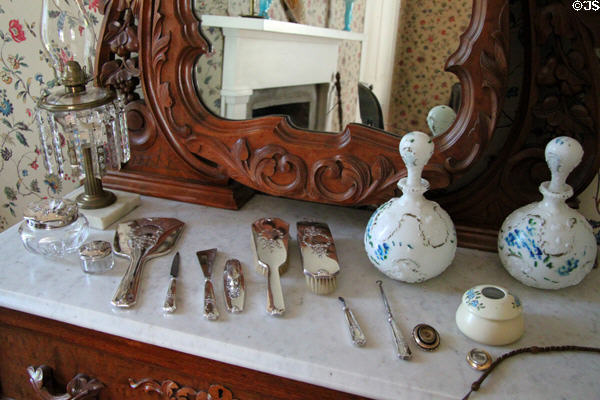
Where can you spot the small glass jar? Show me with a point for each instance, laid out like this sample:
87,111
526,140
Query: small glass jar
53,227
96,257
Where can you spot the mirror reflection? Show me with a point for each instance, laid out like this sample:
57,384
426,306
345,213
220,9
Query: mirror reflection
387,71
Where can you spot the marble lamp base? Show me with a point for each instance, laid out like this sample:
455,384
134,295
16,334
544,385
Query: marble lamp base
101,218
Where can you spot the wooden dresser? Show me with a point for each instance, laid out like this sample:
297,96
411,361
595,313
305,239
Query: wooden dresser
121,363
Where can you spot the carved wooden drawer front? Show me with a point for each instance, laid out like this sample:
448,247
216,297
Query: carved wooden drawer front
81,387
127,369
170,390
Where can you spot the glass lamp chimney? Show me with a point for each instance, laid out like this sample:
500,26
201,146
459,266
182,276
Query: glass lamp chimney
68,35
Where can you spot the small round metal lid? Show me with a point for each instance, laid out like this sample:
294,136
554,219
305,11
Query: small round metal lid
96,250
426,337
51,213
479,359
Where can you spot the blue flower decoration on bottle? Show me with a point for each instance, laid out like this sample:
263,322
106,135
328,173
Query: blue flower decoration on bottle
523,240
382,251
572,264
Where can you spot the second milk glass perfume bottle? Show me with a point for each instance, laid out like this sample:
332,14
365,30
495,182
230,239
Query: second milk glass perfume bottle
547,244
410,238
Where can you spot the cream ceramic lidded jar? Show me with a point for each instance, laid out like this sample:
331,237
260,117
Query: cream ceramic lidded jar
547,244
410,238
491,315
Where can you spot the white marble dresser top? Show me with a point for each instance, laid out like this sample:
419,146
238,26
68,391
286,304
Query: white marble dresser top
310,342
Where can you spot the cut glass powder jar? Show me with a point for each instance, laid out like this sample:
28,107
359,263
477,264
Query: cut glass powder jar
53,227
96,257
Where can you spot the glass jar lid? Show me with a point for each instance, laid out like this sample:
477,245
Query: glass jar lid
51,213
96,250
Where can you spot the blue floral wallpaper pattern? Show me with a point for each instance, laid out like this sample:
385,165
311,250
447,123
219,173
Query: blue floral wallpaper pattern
24,76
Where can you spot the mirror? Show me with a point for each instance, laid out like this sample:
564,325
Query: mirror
428,34
402,85
183,151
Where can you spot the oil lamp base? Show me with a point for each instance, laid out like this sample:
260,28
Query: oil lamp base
103,198
102,218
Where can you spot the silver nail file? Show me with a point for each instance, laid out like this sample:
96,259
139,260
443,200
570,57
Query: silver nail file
402,348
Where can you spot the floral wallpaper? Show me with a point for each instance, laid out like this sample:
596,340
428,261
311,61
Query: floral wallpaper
428,33
24,76
324,13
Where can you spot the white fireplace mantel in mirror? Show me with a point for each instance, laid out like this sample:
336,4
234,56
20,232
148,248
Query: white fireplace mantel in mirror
267,54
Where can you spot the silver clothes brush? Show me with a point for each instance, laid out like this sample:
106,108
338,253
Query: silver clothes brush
270,237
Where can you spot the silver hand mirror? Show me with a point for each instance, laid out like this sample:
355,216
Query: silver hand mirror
140,240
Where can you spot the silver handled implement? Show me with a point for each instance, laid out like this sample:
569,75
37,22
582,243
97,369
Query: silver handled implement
272,309
140,240
357,335
234,286
270,238
207,259
402,348
170,305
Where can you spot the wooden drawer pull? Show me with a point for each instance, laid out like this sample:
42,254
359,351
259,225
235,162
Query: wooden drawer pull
170,390
81,387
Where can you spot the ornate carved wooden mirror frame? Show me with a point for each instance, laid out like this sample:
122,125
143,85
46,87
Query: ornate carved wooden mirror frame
182,151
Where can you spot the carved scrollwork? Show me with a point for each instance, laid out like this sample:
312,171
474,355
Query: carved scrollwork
494,69
565,78
160,45
134,49
566,83
493,64
453,165
81,387
168,84
341,179
346,178
119,38
270,166
524,168
141,124
169,390
123,75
